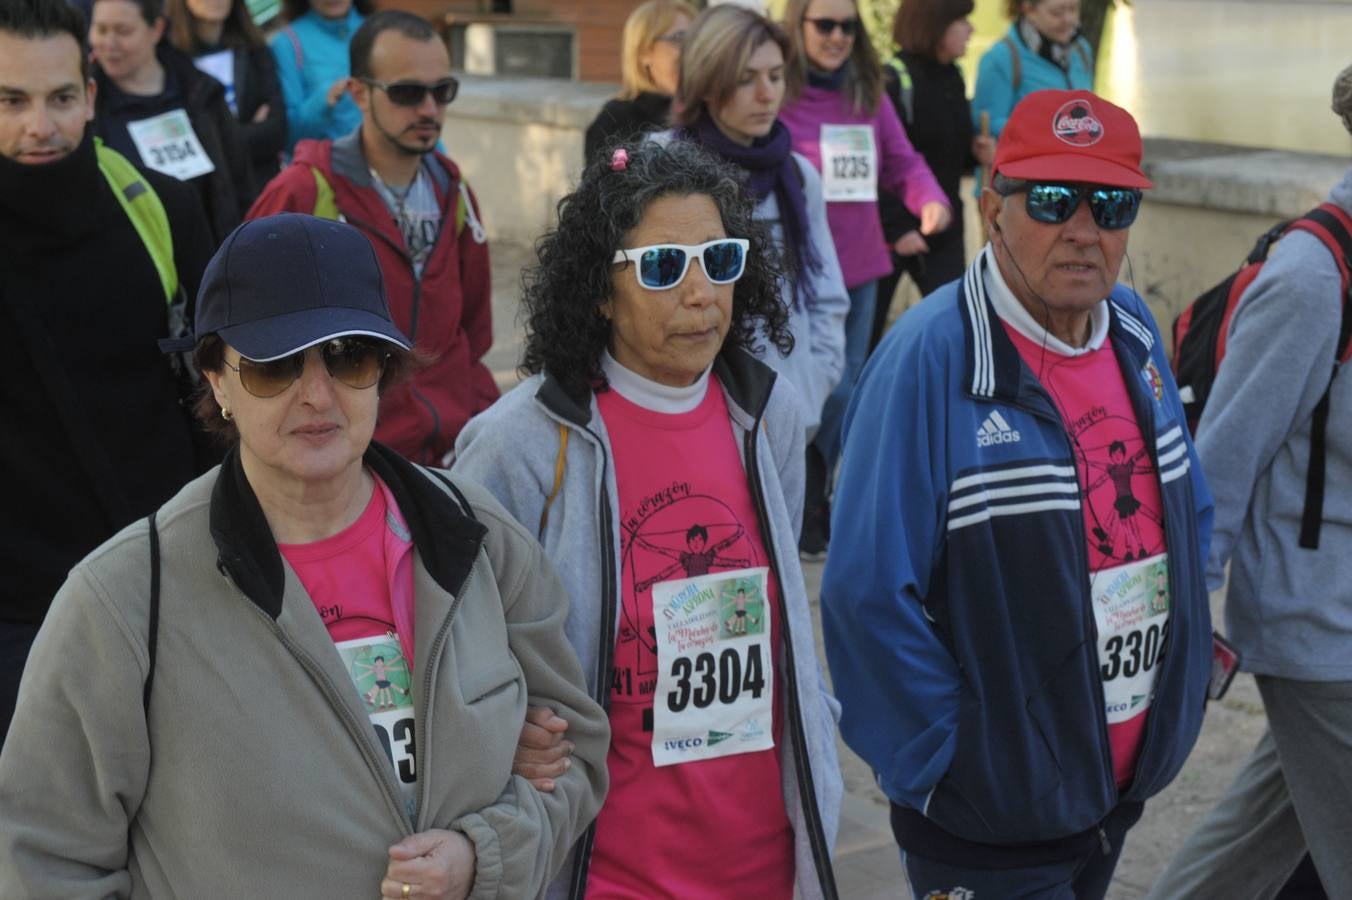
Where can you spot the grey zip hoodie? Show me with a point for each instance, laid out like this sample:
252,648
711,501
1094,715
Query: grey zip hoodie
1288,609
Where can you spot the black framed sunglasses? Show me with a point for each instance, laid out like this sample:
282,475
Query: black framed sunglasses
411,93
355,362
825,27
1113,208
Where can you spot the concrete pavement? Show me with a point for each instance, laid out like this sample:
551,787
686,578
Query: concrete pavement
867,863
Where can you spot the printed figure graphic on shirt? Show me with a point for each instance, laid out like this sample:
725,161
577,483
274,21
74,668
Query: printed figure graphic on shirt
695,559
736,623
1110,455
671,535
380,670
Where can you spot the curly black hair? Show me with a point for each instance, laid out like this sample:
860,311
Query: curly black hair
563,292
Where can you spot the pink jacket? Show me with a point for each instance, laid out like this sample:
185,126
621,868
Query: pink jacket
855,226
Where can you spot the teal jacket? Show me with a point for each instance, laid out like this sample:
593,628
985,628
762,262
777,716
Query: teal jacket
311,55
997,91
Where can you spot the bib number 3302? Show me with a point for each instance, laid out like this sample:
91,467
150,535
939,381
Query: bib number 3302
715,684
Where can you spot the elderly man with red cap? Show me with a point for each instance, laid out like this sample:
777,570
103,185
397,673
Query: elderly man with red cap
1014,606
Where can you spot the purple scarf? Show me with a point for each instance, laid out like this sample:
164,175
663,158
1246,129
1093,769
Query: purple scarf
769,166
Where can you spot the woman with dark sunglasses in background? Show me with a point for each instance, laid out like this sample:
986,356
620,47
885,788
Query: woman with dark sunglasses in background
660,464
650,64
927,90
224,42
315,659
839,123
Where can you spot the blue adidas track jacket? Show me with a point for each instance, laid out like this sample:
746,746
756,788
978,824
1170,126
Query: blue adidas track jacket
956,600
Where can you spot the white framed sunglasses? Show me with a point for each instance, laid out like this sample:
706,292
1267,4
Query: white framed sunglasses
663,266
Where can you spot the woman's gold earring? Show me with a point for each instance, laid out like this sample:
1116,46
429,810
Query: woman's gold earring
226,414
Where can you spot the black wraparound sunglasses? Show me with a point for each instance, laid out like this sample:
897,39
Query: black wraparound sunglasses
411,93
825,26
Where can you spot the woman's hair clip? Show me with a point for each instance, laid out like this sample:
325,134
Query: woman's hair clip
619,160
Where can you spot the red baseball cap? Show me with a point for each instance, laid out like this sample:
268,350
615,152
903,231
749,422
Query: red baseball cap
1071,136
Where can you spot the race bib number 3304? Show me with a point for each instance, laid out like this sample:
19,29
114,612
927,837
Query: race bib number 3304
715,681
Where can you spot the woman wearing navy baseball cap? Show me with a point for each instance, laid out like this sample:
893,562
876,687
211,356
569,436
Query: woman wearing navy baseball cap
315,659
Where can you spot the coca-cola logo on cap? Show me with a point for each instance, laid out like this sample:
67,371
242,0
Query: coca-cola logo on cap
1076,124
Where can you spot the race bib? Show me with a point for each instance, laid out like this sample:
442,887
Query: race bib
715,673
380,674
849,163
167,143
1131,608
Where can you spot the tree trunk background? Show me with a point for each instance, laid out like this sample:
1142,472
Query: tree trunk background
1093,15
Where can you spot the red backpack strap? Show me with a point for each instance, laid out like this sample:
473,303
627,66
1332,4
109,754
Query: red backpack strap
295,45
1333,226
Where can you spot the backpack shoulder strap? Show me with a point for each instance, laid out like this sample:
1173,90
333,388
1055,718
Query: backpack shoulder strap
560,463
1079,45
1333,227
326,202
145,210
153,632
1016,64
296,47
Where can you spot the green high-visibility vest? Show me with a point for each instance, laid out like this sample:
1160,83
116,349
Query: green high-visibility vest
143,207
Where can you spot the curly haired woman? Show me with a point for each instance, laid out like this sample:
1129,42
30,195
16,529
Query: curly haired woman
661,465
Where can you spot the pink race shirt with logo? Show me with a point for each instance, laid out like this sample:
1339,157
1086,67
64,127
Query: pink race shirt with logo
713,827
1123,523
361,583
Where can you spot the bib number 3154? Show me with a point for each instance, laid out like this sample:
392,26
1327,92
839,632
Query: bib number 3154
715,686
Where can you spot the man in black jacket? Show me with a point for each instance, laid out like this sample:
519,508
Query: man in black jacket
93,429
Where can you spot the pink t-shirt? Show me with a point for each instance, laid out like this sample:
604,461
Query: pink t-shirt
361,579
714,827
1123,524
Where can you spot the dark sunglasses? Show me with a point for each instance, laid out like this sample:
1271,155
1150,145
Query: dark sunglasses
411,93
355,362
825,26
1113,208
663,266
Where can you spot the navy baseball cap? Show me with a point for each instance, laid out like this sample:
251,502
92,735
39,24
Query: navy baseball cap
283,283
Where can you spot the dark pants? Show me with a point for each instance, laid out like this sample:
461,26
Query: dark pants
930,271
1082,878
15,640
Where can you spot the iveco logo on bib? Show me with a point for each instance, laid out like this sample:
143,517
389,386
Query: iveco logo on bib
684,744
995,430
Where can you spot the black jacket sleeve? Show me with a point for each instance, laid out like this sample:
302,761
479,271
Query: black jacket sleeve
264,140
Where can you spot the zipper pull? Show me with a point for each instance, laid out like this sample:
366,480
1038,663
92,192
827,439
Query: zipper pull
1104,843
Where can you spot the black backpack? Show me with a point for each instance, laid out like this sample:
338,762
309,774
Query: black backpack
1201,330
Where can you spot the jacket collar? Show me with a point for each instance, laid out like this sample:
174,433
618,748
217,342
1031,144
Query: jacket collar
446,536
746,380
994,369
349,162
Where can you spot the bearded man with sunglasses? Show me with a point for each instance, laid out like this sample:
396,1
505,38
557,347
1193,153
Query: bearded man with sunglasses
1018,485
389,180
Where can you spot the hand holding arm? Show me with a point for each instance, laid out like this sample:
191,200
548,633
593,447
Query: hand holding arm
542,754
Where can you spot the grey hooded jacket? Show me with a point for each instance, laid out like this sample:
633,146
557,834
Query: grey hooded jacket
513,449
1288,609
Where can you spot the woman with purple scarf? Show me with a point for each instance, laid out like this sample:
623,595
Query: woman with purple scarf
730,91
